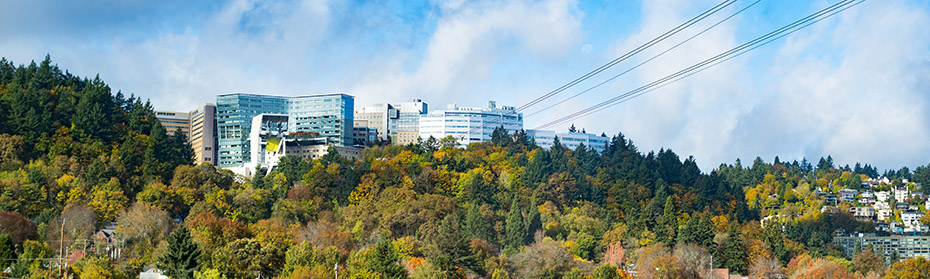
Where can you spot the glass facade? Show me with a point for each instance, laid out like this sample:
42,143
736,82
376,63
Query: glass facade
329,115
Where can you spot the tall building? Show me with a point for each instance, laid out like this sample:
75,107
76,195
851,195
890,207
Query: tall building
397,121
467,124
382,117
199,126
328,115
571,140
172,121
203,133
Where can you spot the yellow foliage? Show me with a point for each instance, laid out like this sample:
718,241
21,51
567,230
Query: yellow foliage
721,223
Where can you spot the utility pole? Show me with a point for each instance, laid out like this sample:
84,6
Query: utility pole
61,246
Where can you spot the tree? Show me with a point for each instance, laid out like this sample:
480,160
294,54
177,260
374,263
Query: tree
17,227
767,268
384,261
7,251
606,271
75,223
912,268
734,255
450,251
692,261
181,259
542,258
514,234
866,262
475,225
533,223
143,226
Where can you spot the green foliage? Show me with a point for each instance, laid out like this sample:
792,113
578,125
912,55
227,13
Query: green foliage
384,261
515,234
181,259
606,271
7,251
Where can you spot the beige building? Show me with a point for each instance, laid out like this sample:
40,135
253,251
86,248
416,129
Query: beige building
172,121
200,127
203,133
317,151
406,137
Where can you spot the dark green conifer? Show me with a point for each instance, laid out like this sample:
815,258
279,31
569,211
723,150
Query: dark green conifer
181,259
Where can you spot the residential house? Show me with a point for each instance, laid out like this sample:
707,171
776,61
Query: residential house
882,195
900,193
846,195
863,213
911,218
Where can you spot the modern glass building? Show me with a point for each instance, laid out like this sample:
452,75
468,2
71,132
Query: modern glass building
469,125
329,115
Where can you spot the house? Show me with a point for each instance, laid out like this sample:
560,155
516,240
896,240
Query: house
846,195
911,218
149,272
866,201
867,194
882,195
863,213
900,193
902,206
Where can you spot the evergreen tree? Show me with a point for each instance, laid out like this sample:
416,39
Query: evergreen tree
669,220
451,252
533,223
7,251
384,260
475,225
514,234
181,259
733,256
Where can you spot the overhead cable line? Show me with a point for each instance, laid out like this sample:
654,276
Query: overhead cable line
644,62
639,49
765,39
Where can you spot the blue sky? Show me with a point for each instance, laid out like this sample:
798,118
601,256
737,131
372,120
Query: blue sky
855,86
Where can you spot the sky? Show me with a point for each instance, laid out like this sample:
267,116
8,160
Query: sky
855,86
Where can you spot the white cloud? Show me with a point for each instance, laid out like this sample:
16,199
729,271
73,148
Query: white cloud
853,87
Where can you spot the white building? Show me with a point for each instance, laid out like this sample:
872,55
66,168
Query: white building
882,196
391,119
467,124
911,218
572,140
900,193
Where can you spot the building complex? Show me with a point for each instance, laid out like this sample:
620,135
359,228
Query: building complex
571,140
328,116
468,124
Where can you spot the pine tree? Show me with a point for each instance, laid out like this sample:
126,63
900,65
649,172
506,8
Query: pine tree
181,259
384,260
475,225
670,220
451,252
515,233
533,223
734,257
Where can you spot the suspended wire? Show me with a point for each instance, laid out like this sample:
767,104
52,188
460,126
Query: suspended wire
748,45
639,49
644,62
719,62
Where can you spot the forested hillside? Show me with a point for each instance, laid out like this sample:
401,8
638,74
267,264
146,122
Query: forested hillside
76,157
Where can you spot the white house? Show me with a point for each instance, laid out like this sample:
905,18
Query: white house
911,218
882,196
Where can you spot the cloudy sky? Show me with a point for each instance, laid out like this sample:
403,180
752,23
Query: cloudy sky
855,86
